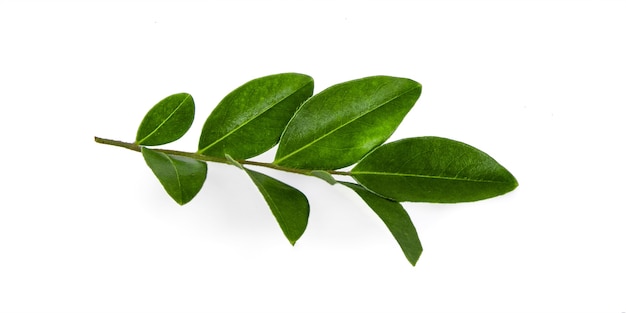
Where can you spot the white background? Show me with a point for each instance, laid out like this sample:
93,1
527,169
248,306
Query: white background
539,85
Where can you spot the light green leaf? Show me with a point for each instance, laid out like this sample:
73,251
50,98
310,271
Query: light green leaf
341,124
325,176
397,220
289,206
182,177
234,162
167,121
250,120
432,169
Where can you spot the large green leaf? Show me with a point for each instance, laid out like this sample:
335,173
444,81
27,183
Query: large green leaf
250,120
341,124
397,220
289,206
432,169
167,121
182,177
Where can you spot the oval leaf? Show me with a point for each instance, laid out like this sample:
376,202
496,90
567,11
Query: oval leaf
341,124
289,206
250,120
397,220
182,177
167,121
432,169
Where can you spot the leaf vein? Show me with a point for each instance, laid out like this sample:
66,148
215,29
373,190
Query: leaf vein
341,126
250,120
165,120
432,177
273,207
180,185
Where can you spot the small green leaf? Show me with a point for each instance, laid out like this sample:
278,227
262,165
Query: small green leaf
182,177
234,162
432,169
341,124
397,220
250,120
325,176
167,121
289,206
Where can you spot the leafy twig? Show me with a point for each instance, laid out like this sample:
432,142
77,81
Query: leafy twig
205,158
346,124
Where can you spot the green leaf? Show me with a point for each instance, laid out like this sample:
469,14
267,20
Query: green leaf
182,177
234,162
341,124
397,220
324,176
432,169
167,121
289,206
250,120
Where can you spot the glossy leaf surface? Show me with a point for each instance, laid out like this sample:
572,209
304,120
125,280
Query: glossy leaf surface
289,206
181,177
250,120
167,121
341,124
396,219
432,169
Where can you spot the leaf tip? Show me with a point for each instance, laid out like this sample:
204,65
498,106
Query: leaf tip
413,260
514,183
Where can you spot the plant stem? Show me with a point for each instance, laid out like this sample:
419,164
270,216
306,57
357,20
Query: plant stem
200,157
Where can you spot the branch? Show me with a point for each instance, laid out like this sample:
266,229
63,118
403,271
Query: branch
200,157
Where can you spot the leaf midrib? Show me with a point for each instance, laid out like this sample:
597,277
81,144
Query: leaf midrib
165,120
342,126
270,201
250,120
180,185
430,177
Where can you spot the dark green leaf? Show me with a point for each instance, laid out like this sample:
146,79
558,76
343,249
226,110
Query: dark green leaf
341,124
432,169
250,120
397,220
167,121
325,176
182,177
289,206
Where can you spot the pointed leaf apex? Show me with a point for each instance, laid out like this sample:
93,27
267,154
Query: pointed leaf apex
181,177
289,206
397,220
